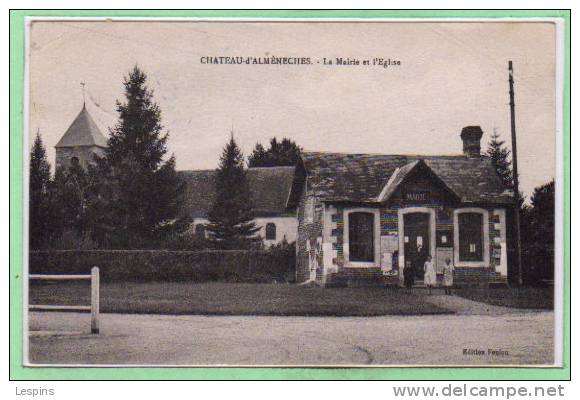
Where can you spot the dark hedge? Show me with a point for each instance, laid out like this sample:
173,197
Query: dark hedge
264,266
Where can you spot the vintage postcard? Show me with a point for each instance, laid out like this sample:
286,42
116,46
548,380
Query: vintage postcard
288,192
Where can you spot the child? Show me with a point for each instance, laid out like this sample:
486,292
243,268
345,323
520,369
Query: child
448,276
430,278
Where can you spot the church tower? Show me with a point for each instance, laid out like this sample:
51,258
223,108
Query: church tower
80,141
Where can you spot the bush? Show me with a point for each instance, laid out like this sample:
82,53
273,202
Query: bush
73,240
186,241
266,266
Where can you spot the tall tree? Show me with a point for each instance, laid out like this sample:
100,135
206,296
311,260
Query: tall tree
39,210
69,199
284,153
499,154
230,218
71,206
538,227
139,191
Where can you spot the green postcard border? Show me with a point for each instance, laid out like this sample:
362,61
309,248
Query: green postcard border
19,372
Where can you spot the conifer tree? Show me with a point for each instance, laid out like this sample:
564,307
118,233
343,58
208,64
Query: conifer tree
499,155
538,233
230,218
283,153
500,159
139,192
69,203
39,207
258,156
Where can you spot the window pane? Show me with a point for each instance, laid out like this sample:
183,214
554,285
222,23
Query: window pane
470,236
270,231
361,236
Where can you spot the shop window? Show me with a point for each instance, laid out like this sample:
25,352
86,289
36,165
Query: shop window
270,231
361,240
470,236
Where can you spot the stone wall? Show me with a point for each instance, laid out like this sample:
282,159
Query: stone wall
309,250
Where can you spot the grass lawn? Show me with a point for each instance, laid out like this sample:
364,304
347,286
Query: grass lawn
525,297
216,298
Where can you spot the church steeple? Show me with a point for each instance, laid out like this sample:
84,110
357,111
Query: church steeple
80,141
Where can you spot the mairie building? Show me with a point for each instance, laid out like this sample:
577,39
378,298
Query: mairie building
362,217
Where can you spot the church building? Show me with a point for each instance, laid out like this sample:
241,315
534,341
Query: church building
270,187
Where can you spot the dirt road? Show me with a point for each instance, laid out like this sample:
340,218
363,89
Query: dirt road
516,338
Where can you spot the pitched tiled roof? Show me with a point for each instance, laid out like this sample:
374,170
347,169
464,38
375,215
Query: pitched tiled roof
362,177
396,178
82,132
270,188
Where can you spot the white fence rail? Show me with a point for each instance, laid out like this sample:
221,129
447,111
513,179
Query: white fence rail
95,296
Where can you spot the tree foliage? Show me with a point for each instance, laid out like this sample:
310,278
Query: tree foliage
40,218
283,153
536,219
230,218
537,233
499,155
136,193
69,199
129,198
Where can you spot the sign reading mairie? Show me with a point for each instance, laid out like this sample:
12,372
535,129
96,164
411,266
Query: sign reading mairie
417,196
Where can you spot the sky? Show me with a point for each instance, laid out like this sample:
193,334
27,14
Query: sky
450,75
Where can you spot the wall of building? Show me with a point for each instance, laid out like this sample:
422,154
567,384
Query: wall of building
391,253
334,235
84,154
392,258
286,227
309,243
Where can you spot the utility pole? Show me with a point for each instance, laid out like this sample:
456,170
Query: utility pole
516,177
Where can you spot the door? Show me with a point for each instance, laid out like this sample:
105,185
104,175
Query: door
416,240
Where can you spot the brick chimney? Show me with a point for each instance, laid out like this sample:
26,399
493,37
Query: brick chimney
471,136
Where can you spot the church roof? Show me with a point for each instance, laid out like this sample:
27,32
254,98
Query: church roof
269,188
82,132
363,177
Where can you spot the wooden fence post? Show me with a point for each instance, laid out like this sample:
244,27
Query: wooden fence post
95,300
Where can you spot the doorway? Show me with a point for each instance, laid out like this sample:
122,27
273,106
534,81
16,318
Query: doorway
416,240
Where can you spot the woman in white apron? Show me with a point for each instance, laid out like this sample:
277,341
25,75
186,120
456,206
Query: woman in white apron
448,276
430,278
